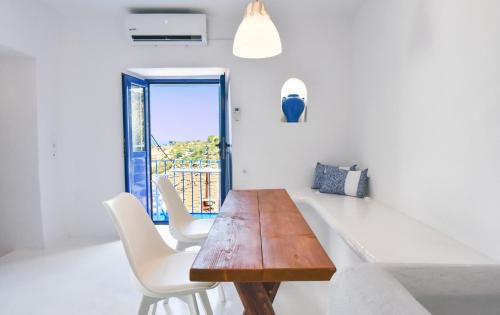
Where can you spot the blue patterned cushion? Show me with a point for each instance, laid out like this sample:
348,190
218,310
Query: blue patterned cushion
342,182
320,171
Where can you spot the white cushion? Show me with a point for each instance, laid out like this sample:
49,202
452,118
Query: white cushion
368,290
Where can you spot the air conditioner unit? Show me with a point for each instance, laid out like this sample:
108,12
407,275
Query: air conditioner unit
167,29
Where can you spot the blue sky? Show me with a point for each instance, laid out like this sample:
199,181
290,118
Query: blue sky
182,112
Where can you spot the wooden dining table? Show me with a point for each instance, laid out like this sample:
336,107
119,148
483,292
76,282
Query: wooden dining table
259,240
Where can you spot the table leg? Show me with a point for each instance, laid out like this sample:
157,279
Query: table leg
257,298
272,289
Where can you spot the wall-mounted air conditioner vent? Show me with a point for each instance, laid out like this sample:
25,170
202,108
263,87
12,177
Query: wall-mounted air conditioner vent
167,29
167,38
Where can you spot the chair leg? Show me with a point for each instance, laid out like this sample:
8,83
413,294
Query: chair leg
222,294
191,302
166,306
206,303
145,306
181,246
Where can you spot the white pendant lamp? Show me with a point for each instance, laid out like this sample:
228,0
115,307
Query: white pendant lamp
256,37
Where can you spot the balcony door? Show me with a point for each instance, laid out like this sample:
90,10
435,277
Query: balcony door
136,139
177,128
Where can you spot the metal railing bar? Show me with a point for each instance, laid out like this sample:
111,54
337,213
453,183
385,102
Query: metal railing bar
196,168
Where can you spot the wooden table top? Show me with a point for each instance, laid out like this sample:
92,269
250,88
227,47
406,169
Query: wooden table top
260,236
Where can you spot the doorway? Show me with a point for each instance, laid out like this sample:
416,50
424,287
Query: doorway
178,128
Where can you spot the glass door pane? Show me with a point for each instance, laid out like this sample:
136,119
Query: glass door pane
185,137
136,139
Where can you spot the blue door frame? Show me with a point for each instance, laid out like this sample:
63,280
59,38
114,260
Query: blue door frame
137,170
144,169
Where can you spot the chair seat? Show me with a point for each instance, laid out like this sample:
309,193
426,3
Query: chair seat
170,274
197,229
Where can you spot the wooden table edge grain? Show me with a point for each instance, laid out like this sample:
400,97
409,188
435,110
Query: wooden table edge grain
259,240
251,275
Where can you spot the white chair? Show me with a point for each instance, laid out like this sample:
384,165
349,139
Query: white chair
159,270
187,230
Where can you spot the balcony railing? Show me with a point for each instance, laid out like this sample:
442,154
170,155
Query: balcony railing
197,183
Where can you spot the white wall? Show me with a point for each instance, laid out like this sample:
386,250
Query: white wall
94,54
425,118
20,215
32,29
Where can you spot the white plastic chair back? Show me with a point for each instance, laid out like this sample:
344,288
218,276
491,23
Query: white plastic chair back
177,212
139,236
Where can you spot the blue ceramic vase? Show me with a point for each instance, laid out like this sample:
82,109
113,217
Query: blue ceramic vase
293,106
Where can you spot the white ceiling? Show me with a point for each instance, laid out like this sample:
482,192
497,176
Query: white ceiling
224,16
211,7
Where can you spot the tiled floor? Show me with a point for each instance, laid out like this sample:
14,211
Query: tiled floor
95,279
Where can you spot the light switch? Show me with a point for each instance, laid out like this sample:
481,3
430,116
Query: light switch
237,114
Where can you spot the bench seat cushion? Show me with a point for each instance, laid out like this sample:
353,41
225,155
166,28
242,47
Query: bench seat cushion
367,289
416,289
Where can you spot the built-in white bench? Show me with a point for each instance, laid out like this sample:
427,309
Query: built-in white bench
389,263
373,289
382,235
